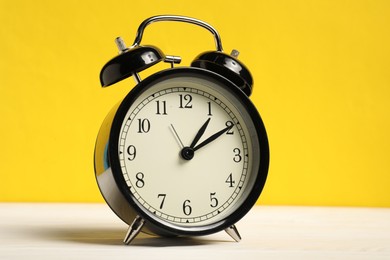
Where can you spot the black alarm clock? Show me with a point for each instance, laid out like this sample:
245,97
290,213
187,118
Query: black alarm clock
185,153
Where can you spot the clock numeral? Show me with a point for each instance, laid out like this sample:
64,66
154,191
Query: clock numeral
140,183
237,155
213,200
230,131
163,196
230,181
185,101
132,152
187,210
209,107
143,125
161,107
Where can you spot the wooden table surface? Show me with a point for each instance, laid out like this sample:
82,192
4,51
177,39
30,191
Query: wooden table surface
92,231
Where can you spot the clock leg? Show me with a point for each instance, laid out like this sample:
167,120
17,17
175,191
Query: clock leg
233,232
134,229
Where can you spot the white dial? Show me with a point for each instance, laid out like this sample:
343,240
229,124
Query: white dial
185,151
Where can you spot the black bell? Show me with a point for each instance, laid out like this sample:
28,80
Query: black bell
227,66
129,62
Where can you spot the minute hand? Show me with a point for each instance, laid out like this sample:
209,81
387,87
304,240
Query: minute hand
213,137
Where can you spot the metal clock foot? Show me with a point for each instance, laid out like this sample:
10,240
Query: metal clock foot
134,229
233,232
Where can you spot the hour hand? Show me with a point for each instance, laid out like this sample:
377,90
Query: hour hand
187,153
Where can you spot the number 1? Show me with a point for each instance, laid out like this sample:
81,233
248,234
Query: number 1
209,106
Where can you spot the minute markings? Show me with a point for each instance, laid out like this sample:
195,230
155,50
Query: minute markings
230,116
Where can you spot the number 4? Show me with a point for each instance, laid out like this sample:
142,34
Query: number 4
230,181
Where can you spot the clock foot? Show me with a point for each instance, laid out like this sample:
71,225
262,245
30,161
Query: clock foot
233,232
134,229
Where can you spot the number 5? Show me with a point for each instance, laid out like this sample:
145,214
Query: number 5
213,200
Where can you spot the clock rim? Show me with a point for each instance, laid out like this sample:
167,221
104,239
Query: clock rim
161,226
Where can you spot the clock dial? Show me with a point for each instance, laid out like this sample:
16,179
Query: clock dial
186,151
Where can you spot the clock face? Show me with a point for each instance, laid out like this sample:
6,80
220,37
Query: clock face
188,150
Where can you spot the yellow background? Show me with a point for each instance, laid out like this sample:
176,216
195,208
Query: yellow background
322,85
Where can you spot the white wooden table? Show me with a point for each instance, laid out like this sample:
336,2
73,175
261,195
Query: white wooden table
92,231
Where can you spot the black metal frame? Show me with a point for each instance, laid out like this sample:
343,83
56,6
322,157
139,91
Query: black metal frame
152,222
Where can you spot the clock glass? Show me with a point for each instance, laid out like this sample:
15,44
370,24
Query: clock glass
187,149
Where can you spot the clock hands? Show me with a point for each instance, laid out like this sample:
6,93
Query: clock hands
188,152
177,136
200,133
213,137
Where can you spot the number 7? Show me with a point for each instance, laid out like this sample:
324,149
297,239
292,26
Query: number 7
163,199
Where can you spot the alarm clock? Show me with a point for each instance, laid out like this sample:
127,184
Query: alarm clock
185,153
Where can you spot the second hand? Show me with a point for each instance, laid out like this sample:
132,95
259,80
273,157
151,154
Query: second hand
177,136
